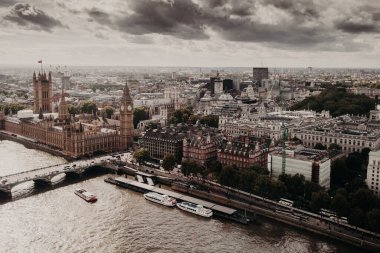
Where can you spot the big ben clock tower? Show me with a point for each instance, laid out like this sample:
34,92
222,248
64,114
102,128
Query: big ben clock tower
126,120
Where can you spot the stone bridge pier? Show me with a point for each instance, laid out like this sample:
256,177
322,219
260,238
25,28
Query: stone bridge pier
43,182
6,191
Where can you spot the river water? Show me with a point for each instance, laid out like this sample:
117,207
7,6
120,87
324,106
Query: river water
123,221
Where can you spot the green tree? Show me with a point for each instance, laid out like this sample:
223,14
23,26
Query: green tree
339,173
88,107
310,188
139,114
357,217
210,120
153,125
363,199
319,200
229,176
354,163
338,102
259,170
334,146
373,218
247,180
109,110
73,110
340,205
189,168
193,119
168,162
12,108
277,189
263,186
295,184
214,166
320,146
141,155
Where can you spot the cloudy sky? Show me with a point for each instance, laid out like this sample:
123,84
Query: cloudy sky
217,33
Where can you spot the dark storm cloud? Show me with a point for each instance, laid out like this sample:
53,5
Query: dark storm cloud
6,3
29,16
99,16
304,9
236,21
353,27
181,19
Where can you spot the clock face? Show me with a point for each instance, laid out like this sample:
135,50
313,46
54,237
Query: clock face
122,107
129,107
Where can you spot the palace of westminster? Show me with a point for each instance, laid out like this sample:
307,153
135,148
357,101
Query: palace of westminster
73,136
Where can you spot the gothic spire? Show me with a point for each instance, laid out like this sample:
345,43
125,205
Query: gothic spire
126,89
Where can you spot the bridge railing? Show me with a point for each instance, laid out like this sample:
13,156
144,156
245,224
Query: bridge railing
24,172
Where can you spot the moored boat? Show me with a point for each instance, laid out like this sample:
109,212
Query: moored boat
195,209
160,199
88,196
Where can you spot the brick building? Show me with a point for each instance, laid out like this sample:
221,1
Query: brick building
202,147
243,155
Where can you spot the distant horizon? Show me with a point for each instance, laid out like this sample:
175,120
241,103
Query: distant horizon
192,33
62,66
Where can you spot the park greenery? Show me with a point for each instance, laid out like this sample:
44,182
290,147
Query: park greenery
186,116
168,162
141,155
109,111
139,114
338,102
88,107
11,108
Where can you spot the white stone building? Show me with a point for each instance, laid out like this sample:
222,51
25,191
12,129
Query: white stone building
313,164
373,172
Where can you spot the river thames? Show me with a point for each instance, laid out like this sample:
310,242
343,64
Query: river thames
123,221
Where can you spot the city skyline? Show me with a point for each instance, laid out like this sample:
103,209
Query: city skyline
219,33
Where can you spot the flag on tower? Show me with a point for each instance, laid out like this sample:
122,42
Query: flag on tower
40,61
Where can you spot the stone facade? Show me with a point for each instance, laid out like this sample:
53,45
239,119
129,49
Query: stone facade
202,148
313,164
73,137
42,86
243,155
161,142
373,172
126,119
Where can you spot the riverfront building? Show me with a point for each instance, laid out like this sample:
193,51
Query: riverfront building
202,147
161,142
373,172
313,164
242,154
72,136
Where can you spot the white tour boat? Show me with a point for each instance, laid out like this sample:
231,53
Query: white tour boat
194,208
160,199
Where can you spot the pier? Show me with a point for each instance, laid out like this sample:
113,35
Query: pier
219,210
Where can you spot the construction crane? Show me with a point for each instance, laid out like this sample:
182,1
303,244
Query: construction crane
283,129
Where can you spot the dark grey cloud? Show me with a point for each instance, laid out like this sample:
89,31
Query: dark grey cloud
298,9
238,21
180,18
99,16
365,19
6,3
29,16
356,27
